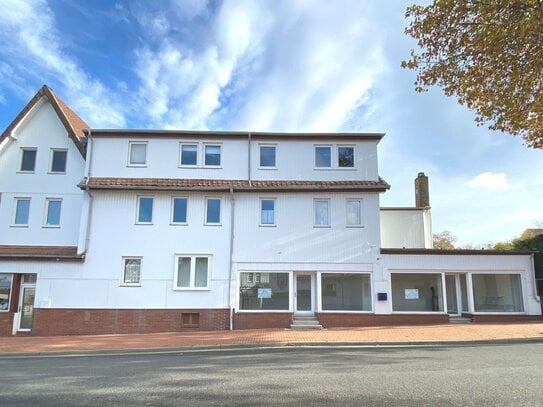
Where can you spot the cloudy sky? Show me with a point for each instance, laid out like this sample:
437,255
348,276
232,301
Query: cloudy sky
279,66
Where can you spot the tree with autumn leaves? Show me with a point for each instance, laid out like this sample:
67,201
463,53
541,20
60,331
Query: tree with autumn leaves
489,55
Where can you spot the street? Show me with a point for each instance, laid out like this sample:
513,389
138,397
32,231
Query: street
477,375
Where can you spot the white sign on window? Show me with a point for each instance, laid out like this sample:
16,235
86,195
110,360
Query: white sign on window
411,293
264,293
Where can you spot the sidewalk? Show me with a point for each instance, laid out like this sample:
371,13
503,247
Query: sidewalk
370,335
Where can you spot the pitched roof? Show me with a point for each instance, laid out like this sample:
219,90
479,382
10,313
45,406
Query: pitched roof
73,124
42,253
182,184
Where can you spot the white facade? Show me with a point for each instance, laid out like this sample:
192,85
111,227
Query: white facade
246,223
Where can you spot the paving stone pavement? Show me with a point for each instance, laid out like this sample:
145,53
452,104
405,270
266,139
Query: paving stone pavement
378,335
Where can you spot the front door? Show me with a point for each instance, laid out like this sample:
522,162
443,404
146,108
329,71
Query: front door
303,294
26,307
457,296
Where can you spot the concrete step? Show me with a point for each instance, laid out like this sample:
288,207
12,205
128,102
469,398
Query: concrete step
459,320
303,327
305,322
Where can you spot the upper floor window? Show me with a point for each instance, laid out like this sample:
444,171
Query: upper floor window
345,157
21,212
58,161
131,273
267,212
145,210
212,155
213,211
28,160
52,212
179,210
137,154
322,212
189,154
192,272
354,212
267,156
323,156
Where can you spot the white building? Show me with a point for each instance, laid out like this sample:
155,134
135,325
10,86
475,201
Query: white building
107,231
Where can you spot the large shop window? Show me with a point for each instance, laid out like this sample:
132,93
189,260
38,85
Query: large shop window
497,293
264,291
5,291
346,292
417,292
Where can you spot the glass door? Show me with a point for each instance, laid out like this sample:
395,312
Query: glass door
452,296
304,295
26,307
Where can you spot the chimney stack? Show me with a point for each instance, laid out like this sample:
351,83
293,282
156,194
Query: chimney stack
422,193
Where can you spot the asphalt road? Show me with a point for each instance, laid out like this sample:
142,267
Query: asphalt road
489,375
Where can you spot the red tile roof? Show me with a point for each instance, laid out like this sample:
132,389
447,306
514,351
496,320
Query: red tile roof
73,124
224,185
32,253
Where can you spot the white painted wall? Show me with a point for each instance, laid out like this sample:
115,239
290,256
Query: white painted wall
294,160
42,129
408,228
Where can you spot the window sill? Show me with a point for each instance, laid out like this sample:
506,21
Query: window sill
267,168
212,224
51,226
179,224
192,289
136,165
18,226
129,285
344,312
25,172
354,226
322,226
188,166
212,167
56,172
267,226
143,223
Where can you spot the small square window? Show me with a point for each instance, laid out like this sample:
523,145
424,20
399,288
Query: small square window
28,160
354,212
22,212
212,155
189,154
323,157
267,156
131,275
192,272
179,210
137,155
213,211
58,161
345,157
52,212
145,209
267,212
322,212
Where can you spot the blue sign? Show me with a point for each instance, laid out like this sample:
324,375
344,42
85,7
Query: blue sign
264,293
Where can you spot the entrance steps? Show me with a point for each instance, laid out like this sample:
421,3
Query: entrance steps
305,322
453,319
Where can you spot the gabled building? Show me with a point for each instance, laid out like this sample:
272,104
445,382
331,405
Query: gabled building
106,231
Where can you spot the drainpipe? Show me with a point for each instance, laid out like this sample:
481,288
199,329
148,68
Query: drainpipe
534,281
230,299
249,158
86,220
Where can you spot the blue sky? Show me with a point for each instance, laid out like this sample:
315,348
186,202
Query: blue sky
276,65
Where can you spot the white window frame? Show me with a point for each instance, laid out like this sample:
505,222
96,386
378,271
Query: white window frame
138,209
14,212
327,200
23,149
204,145
132,143
172,222
331,147
260,167
192,277
274,212
219,223
123,261
188,143
347,201
51,154
10,293
46,212
338,146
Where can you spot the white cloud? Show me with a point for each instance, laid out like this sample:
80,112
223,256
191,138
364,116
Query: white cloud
490,181
29,36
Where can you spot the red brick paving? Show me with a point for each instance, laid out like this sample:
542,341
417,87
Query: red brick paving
431,333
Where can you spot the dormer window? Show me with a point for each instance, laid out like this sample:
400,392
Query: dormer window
58,161
28,160
137,154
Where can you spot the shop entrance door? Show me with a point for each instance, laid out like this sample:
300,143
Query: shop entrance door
457,298
304,296
26,303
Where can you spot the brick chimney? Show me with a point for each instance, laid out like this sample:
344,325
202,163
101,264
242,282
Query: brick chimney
422,193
